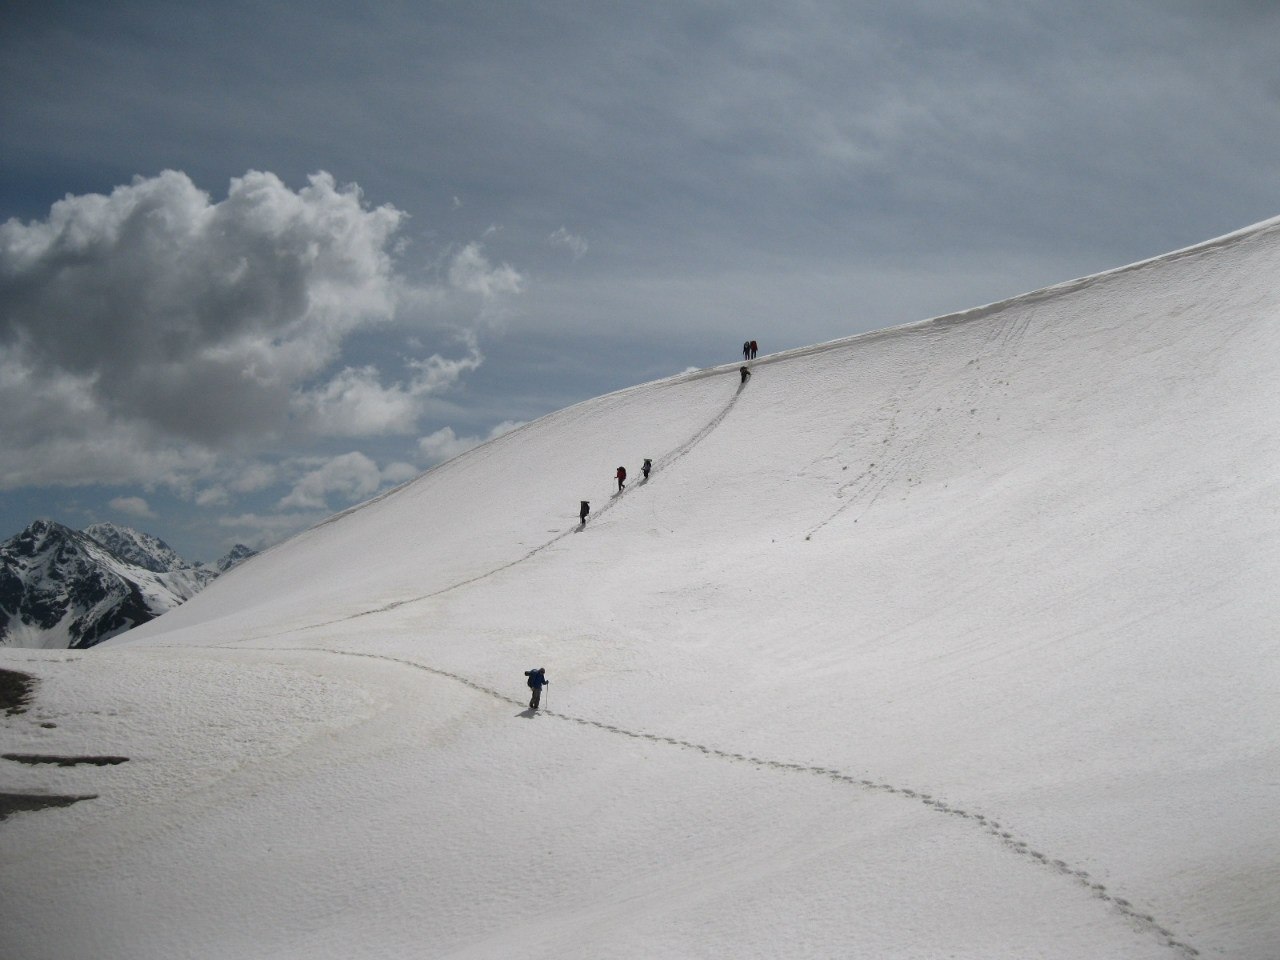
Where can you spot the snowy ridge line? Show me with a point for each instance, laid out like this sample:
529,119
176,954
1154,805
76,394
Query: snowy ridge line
1143,921
1030,298
666,460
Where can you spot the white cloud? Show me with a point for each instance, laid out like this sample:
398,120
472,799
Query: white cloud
470,271
134,506
182,300
235,479
215,496
444,444
251,477
399,472
353,476
436,374
189,320
576,245
355,403
54,431
505,427
147,334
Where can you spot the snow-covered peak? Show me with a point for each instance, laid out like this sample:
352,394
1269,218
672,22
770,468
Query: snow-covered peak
65,587
235,556
138,548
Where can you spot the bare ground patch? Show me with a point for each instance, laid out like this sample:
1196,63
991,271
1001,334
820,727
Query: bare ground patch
15,691
11,803
62,761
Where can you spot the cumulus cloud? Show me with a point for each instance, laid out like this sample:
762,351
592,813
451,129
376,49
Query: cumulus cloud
316,487
356,403
577,246
134,506
165,300
352,476
444,444
436,374
214,496
52,431
147,333
237,478
471,271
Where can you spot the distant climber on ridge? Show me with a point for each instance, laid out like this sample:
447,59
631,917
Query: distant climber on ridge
746,349
583,511
753,347
646,467
621,475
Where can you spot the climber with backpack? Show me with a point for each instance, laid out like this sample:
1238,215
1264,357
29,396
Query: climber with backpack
537,680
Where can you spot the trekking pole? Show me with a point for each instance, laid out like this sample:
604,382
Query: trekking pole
546,690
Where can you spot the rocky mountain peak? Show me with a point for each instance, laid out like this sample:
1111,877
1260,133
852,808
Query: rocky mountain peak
138,548
61,587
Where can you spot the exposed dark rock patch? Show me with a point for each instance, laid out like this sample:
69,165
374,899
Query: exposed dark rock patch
11,803
15,691
63,761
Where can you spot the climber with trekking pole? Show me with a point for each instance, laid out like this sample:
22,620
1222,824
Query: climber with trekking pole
537,680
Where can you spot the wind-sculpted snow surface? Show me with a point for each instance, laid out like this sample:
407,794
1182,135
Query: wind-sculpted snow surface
953,639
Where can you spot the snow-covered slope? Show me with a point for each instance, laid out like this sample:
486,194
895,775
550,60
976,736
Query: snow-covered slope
958,639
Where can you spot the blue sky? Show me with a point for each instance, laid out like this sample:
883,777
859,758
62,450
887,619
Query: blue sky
257,265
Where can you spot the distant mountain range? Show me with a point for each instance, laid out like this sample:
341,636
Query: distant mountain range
74,588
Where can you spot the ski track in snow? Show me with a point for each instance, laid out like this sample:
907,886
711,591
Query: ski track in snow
659,464
1124,908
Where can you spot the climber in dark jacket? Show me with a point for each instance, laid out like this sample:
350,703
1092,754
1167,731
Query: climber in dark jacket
583,511
537,680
